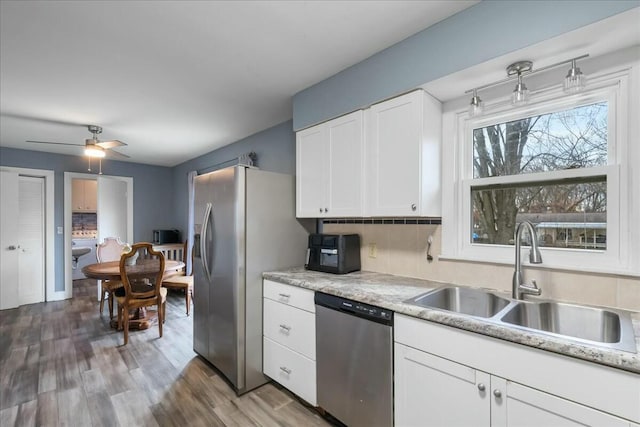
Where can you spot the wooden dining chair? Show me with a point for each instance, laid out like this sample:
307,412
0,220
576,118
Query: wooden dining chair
141,271
109,250
180,281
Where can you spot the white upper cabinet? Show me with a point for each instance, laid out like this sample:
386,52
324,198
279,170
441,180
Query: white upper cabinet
402,157
84,195
329,168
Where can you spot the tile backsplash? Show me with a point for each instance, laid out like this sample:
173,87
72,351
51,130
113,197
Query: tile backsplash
401,249
84,221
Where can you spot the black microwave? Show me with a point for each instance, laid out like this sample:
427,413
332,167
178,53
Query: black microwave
161,237
333,253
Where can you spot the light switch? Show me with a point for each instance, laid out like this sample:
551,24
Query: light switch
60,230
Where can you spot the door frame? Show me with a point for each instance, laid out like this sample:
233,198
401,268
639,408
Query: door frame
68,177
50,293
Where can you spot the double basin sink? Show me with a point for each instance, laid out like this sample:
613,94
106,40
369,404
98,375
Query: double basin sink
588,325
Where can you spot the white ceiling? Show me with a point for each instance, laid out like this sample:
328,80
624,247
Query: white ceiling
178,79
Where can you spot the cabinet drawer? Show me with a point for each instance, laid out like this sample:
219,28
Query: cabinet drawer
290,295
292,370
291,327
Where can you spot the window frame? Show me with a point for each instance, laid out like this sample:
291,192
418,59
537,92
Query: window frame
614,88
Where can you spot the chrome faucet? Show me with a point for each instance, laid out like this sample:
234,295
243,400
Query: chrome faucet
535,257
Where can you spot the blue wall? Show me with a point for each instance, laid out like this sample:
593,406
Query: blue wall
152,190
275,148
482,32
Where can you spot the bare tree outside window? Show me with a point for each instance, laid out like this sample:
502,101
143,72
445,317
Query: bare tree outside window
569,139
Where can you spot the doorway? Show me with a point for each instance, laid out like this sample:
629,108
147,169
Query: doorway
27,234
114,201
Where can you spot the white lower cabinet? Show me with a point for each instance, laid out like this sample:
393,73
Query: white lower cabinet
294,371
438,383
432,391
289,338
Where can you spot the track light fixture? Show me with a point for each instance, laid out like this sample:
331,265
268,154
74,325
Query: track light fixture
476,105
520,94
575,81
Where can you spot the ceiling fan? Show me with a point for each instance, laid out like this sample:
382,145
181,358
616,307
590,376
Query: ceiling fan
93,147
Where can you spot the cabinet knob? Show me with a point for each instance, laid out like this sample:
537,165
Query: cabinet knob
497,393
285,370
326,210
320,210
413,207
481,387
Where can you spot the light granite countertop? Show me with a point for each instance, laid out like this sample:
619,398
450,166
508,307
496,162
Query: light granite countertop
388,291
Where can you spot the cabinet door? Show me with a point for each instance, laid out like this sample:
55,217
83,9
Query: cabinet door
432,391
516,405
77,195
311,186
90,195
393,156
345,139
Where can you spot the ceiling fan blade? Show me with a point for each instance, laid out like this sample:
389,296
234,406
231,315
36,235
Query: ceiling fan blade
116,155
110,144
56,143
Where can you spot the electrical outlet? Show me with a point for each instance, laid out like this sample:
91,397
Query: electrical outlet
373,250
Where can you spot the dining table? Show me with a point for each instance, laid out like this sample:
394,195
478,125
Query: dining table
110,270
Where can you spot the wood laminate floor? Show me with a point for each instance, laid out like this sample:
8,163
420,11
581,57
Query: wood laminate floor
62,365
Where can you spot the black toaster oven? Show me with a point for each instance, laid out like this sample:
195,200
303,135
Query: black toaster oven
333,253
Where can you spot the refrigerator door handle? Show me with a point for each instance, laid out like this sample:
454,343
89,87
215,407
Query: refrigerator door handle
203,241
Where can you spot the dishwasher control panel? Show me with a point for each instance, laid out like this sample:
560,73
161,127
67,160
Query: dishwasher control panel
370,312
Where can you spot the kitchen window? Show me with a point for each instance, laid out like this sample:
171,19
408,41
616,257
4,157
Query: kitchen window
561,162
570,212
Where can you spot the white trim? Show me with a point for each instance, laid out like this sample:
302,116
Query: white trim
50,234
68,177
618,258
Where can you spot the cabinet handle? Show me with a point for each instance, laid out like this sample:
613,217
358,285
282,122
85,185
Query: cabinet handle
285,296
413,207
481,387
497,393
285,327
285,370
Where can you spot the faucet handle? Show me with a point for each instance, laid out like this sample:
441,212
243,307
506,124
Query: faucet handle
531,289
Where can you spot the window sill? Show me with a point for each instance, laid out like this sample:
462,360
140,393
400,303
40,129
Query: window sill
627,273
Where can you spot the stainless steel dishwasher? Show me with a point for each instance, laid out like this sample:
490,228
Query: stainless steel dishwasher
354,361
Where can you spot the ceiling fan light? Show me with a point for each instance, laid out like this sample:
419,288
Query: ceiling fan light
94,152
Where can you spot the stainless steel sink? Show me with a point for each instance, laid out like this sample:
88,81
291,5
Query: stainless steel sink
473,302
601,326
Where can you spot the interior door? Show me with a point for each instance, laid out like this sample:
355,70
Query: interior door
9,240
21,240
31,240
112,209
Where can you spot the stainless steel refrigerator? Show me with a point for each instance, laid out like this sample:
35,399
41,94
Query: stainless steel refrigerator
244,224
